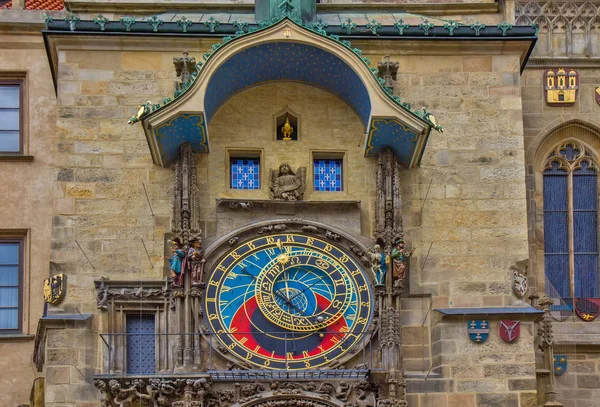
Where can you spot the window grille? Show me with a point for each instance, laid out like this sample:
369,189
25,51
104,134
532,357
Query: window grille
140,344
328,175
245,173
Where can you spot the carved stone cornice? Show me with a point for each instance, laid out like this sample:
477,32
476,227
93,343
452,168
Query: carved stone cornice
124,291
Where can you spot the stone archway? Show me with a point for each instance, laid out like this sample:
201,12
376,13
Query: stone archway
289,398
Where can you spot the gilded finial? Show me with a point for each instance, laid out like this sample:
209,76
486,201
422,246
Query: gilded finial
143,109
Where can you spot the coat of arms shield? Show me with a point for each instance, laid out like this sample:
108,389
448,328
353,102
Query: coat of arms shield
597,94
479,330
509,330
587,309
54,288
560,364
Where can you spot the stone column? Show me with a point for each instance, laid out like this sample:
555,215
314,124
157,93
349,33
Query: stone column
388,229
546,344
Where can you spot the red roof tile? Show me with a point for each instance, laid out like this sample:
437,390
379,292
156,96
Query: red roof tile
41,4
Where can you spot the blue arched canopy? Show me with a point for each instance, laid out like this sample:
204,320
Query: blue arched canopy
303,56
285,61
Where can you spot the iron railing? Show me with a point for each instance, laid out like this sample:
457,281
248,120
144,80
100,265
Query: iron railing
185,353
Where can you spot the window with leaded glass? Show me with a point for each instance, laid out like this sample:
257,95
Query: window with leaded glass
245,173
570,193
10,117
328,175
10,285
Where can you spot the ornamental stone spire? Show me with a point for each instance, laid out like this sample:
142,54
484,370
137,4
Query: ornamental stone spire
295,9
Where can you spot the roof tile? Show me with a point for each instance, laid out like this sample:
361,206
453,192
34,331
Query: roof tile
41,4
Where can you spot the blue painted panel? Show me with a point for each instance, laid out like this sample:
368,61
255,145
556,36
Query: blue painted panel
245,173
181,129
585,232
328,175
556,246
389,132
140,344
285,61
586,276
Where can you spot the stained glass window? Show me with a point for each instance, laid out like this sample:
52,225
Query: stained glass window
10,293
328,175
571,224
245,173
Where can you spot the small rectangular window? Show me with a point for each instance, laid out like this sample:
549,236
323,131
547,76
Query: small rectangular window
11,255
328,175
245,173
10,117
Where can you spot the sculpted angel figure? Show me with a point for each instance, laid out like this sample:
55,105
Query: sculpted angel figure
287,185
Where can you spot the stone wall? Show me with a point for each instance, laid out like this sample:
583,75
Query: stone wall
465,212
580,385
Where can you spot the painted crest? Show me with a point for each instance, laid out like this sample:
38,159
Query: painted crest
587,309
479,330
519,281
560,86
510,330
560,364
55,288
597,94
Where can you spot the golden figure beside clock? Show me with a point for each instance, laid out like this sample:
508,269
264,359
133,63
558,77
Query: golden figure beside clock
288,301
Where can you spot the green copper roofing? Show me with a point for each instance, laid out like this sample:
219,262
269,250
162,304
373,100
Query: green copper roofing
423,114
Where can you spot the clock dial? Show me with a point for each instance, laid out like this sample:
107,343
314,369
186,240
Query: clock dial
288,301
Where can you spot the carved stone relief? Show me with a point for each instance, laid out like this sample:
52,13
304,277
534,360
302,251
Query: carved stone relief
203,392
287,185
565,23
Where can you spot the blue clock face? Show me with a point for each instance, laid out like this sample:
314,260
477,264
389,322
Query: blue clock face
288,301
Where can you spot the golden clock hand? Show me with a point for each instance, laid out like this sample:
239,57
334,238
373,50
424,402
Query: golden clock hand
285,280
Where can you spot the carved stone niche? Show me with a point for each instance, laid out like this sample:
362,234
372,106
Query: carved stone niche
287,125
233,214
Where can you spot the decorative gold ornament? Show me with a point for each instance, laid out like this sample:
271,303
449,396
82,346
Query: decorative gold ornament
55,288
287,130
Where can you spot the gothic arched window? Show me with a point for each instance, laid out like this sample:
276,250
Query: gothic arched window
571,223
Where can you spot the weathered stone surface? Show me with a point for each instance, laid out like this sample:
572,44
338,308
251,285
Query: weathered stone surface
585,381
57,375
497,400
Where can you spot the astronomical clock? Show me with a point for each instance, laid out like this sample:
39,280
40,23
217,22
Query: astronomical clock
289,301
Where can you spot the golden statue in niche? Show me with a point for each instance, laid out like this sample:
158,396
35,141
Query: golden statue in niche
287,130
286,126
